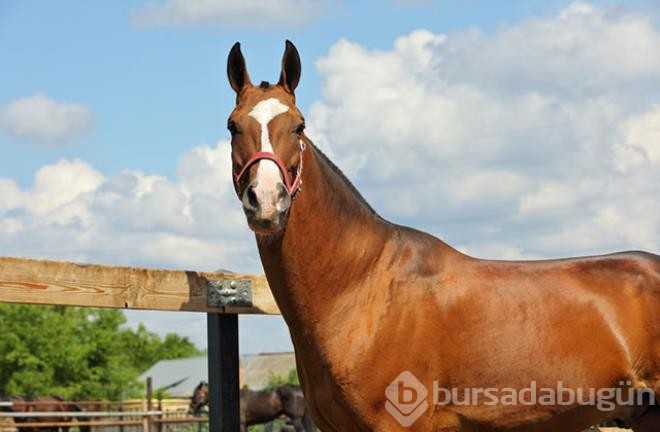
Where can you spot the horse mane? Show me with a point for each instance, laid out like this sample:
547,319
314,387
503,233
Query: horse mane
343,177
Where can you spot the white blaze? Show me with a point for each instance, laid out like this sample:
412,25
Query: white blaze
268,173
264,112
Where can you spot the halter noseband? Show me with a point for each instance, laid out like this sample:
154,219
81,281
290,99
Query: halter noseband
291,186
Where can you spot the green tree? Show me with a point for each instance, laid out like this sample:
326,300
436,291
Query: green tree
79,353
288,378
146,348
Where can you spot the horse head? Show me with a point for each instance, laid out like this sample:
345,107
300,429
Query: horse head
199,398
267,141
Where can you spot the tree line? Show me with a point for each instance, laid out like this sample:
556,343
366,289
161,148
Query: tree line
78,353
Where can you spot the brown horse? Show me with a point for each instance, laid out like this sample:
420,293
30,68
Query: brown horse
43,404
263,406
389,323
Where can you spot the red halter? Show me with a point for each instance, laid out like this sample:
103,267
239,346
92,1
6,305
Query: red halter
291,187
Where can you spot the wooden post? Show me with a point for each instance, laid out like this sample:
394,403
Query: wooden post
159,427
150,393
224,408
147,418
121,409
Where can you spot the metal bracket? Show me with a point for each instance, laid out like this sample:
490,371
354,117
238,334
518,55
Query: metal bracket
235,293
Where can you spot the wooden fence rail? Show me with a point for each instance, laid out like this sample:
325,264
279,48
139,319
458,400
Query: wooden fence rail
176,415
24,280
37,414
145,420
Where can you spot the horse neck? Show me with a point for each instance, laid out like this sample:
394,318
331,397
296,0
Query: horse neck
331,237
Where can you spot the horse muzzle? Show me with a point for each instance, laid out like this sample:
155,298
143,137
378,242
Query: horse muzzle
266,210
266,204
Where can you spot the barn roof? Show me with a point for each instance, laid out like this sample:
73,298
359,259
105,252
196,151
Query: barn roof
180,377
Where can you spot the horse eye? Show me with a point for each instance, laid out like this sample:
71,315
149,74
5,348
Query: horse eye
231,125
300,128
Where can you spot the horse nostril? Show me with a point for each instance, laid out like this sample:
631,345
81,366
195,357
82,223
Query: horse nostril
250,201
282,192
283,197
252,198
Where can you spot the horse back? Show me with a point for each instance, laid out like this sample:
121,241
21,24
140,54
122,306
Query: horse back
616,296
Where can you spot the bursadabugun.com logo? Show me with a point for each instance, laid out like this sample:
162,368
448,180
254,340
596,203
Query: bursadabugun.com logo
605,399
406,399
406,396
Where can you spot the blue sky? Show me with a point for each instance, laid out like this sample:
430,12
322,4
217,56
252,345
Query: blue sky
534,126
137,79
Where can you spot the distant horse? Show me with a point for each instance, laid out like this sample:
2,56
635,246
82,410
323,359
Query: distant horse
47,404
17,404
263,406
384,318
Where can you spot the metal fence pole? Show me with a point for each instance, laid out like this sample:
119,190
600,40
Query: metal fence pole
224,410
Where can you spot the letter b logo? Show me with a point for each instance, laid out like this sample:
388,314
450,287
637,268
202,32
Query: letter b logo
407,395
406,399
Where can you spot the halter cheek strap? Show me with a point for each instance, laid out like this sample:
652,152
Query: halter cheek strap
291,186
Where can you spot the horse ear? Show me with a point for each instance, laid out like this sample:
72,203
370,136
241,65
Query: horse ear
290,75
236,69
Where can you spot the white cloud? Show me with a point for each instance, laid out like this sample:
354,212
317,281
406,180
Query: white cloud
10,193
640,143
579,52
246,13
41,120
486,186
72,211
542,135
